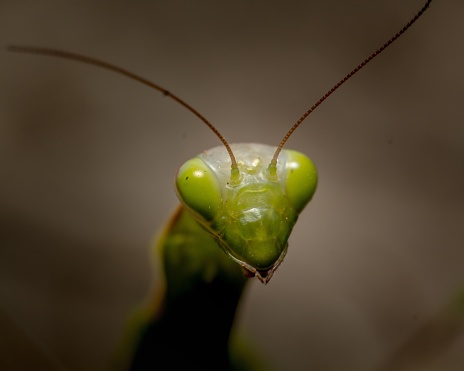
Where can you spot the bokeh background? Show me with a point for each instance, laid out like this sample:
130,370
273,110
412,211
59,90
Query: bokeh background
87,162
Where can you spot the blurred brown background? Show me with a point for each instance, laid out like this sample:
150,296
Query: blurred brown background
87,160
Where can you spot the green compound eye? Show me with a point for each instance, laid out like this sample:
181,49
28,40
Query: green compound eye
199,189
301,179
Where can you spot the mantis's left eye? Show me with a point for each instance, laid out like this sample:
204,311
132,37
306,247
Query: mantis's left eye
198,188
301,179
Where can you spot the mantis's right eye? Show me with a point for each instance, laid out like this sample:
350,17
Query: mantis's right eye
198,189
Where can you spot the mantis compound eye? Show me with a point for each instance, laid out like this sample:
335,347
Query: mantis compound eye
300,179
199,190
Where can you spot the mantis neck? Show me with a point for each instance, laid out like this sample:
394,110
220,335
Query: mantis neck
191,327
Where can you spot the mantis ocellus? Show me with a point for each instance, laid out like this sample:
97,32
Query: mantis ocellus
239,205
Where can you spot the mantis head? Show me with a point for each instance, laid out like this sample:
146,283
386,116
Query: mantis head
251,217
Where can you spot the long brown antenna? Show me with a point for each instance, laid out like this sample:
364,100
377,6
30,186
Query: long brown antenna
96,62
345,79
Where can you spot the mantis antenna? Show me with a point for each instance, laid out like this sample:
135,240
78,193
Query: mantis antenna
235,174
273,164
109,66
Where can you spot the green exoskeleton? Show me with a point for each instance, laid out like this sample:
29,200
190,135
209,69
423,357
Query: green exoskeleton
239,205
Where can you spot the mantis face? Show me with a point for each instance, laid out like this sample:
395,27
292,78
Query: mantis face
251,217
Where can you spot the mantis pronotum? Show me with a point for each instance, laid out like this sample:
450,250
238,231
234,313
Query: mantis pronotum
263,258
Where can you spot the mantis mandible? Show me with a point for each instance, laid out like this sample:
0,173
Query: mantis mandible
244,198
